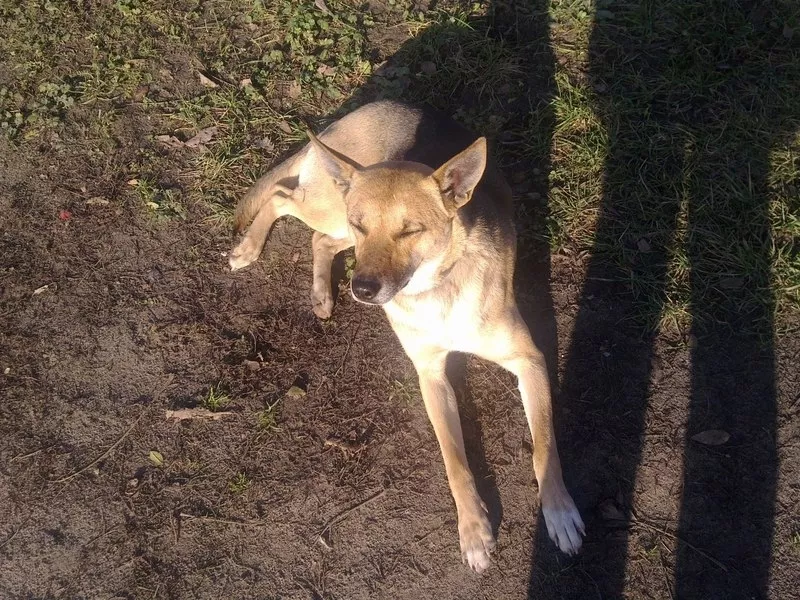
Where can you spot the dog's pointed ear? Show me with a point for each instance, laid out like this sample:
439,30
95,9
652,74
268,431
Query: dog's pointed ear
337,166
459,176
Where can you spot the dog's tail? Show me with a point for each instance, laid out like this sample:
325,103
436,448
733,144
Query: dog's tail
261,192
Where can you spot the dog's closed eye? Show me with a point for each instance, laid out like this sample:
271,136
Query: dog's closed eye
411,230
358,227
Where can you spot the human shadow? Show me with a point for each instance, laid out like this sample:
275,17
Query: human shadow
692,104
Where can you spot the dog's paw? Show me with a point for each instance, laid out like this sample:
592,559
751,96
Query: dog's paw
322,301
322,308
477,541
244,254
564,524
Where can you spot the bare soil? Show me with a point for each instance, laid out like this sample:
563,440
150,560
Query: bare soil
110,318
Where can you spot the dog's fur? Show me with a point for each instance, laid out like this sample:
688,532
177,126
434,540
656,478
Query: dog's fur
435,248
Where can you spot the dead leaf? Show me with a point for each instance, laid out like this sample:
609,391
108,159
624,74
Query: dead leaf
320,4
294,90
194,413
203,137
41,290
285,127
169,140
428,67
206,82
265,144
97,201
140,92
712,437
295,392
156,458
246,82
133,182
609,511
326,70
252,365
643,245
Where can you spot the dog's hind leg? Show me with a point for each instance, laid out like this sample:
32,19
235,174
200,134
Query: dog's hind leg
249,249
325,248
510,345
474,530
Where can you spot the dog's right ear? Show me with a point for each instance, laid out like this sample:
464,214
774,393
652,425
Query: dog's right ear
336,165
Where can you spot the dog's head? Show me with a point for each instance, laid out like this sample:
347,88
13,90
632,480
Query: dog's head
401,215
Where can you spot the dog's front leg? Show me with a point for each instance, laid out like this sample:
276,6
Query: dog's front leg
474,529
325,248
511,347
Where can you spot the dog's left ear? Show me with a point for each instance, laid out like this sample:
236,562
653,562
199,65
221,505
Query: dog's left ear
458,177
337,165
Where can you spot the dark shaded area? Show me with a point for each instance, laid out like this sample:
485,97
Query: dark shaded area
675,93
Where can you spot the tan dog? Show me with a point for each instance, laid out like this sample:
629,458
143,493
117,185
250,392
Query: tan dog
436,249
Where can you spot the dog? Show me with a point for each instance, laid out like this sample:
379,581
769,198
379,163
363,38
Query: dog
431,220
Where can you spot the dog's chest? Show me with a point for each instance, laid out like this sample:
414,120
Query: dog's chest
437,322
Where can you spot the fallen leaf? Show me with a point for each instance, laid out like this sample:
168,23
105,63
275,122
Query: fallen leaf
156,458
712,437
170,141
294,90
643,245
203,137
194,413
252,365
265,144
206,82
285,127
428,67
320,4
41,290
133,182
326,70
97,201
609,510
295,392
246,82
140,92
64,214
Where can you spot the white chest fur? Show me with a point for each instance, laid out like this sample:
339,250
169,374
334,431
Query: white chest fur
429,319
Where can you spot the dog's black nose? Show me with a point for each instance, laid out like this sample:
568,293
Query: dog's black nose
365,288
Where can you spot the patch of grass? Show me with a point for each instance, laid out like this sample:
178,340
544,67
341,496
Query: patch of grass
239,484
215,400
268,418
160,202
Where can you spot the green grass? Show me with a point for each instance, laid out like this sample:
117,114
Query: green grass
239,484
663,134
215,400
268,418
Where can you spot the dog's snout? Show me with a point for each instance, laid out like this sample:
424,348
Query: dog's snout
365,288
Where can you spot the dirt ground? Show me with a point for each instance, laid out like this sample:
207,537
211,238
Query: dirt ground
321,478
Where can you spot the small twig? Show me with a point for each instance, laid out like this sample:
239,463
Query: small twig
104,454
669,534
347,350
14,534
189,517
31,454
345,513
